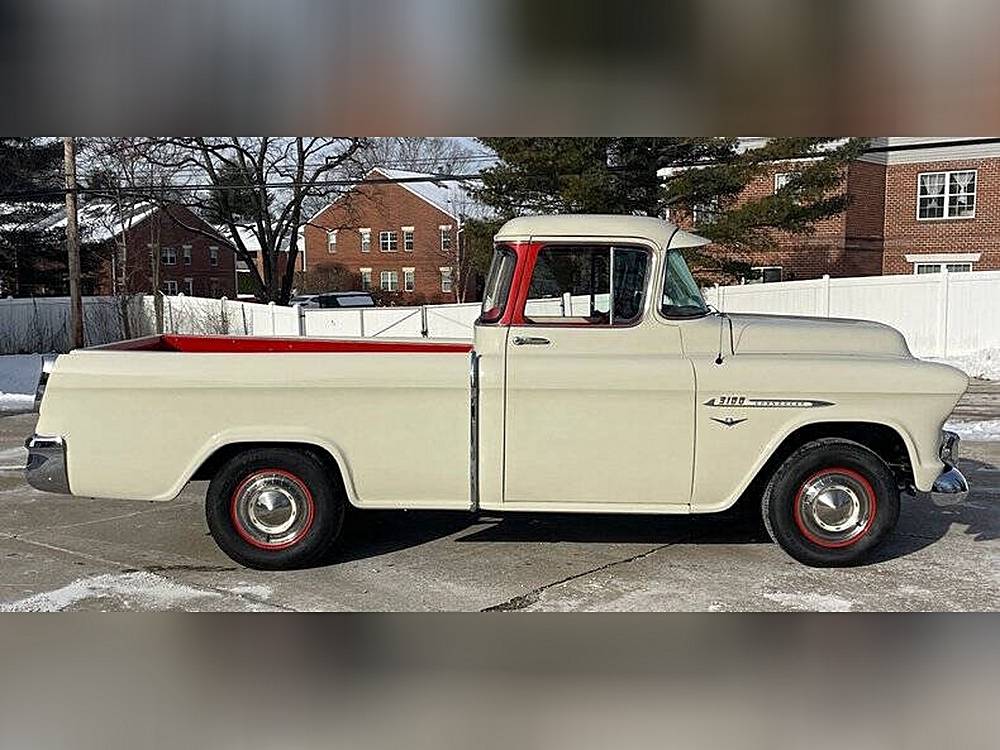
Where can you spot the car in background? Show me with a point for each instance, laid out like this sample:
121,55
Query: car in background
334,300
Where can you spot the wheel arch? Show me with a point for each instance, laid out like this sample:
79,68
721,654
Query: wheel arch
885,441
211,464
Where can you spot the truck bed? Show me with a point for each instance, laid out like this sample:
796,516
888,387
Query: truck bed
169,342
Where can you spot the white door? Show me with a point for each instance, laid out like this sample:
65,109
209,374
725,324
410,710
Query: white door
600,404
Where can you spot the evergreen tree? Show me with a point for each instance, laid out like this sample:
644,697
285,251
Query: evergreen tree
31,262
623,176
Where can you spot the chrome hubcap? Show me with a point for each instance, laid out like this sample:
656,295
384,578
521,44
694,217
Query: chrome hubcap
835,507
272,508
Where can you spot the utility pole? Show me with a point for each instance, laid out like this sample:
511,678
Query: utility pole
73,246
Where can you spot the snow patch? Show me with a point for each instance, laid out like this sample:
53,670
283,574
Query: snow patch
19,374
984,364
132,590
987,430
258,591
12,459
811,602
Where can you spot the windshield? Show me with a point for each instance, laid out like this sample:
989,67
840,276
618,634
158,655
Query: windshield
681,296
498,284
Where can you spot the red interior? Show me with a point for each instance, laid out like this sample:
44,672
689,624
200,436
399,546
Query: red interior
248,344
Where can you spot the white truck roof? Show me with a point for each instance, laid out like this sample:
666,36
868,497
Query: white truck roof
657,231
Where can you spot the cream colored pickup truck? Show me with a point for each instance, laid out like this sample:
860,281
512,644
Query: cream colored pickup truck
598,381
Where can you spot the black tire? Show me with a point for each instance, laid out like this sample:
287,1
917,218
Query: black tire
858,475
305,489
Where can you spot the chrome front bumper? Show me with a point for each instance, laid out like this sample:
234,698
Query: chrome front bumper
46,469
951,486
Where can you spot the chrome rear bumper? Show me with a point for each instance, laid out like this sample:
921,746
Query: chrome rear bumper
46,469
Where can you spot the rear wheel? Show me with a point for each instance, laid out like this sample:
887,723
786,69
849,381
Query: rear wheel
275,508
831,503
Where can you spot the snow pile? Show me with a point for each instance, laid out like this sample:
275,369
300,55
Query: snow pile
985,430
19,374
983,364
136,590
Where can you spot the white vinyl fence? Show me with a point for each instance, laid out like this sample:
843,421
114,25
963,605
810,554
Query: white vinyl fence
941,314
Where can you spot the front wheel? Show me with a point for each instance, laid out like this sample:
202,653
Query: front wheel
275,508
831,503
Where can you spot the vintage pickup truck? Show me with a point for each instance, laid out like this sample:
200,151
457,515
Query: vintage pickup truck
598,381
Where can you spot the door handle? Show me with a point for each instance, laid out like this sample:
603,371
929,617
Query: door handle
530,341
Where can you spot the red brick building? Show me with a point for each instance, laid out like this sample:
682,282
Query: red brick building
127,242
402,240
917,205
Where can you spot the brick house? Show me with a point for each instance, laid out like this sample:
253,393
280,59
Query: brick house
125,243
402,241
917,205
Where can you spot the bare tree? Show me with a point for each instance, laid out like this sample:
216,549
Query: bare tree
259,187
421,154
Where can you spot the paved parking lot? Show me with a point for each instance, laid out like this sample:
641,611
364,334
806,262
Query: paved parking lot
61,553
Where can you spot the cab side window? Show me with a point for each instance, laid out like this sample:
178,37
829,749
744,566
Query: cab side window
593,285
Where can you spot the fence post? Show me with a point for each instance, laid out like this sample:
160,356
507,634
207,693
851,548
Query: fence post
826,293
423,321
361,315
943,313
222,314
718,297
300,314
170,314
270,306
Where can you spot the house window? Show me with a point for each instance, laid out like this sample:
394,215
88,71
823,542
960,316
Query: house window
766,274
389,281
946,195
921,268
446,280
704,213
213,255
331,241
170,287
781,179
408,280
445,237
408,239
366,240
938,262
187,255
388,242
366,279
189,287
213,288
169,257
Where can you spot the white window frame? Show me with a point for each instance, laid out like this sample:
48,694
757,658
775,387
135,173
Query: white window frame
388,281
409,279
189,286
942,260
331,241
214,288
702,211
946,195
186,253
769,268
168,256
366,279
447,279
213,256
388,241
171,287
445,234
366,240
407,239
779,177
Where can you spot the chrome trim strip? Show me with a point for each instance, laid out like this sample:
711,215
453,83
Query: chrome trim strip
46,469
48,362
949,447
950,487
474,432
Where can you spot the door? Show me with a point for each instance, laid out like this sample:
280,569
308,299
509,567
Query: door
600,401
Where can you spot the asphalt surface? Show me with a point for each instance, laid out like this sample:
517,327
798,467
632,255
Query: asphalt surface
62,553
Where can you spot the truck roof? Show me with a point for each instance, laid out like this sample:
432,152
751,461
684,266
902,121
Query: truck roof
657,231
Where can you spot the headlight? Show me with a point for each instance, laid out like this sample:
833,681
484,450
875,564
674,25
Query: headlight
949,447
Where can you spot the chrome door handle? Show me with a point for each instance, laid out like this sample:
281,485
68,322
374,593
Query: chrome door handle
530,341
